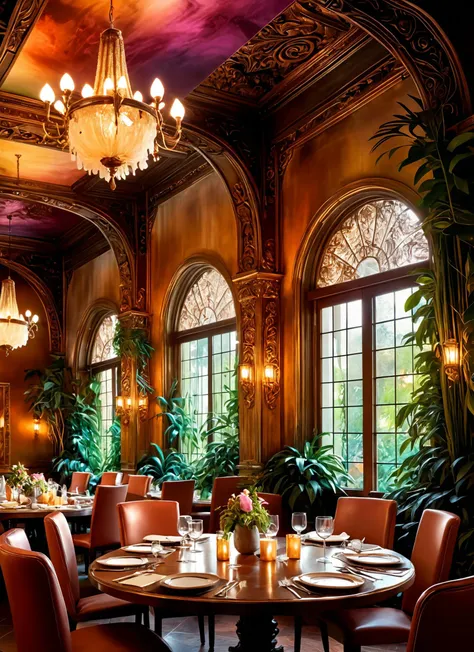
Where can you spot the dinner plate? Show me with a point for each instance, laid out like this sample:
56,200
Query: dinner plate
376,558
139,548
121,562
334,538
163,539
336,581
9,504
190,581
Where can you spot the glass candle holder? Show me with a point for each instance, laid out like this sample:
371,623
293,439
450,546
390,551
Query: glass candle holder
223,548
293,546
268,549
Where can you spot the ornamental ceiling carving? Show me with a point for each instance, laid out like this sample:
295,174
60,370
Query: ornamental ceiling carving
33,220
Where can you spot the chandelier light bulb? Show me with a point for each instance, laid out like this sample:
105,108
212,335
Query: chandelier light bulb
87,91
59,106
108,86
35,319
177,110
157,89
66,83
28,314
122,83
47,94
138,96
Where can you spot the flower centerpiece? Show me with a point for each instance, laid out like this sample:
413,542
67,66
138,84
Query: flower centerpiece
17,480
246,516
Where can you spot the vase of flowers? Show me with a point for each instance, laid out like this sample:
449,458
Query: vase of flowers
245,515
17,481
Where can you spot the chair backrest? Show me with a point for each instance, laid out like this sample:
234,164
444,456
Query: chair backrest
372,518
105,531
274,505
138,485
79,482
38,611
143,517
63,556
182,491
111,478
432,554
442,619
222,490
16,538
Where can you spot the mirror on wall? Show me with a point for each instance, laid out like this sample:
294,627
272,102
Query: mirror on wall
4,427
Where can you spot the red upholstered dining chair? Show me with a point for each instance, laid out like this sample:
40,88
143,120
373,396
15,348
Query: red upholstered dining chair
104,531
138,486
79,482
63,557
442,619
16,538
372,518
222,490
182,491
274,505
142,517
432,557
40,618
111,478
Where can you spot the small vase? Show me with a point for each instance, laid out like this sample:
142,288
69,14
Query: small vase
246,540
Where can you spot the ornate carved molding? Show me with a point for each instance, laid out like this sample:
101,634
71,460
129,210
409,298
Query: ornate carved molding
271,345
247,247
248,327
5,428
412,36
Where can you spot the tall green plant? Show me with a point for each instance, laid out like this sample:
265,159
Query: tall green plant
180,419
165,465
134,343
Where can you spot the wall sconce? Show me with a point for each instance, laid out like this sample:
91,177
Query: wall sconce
123,408
271,384
451,359
36,427
245,373
143,407
247,384
269,373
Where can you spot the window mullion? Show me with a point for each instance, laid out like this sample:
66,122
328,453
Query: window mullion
210,404
367,375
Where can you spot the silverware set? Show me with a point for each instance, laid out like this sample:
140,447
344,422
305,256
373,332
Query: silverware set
229,586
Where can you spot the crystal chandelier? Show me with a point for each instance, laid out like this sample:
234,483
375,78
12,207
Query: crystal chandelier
15,330
110,131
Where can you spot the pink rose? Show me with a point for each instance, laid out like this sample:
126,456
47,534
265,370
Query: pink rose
246,504
262,501
37,476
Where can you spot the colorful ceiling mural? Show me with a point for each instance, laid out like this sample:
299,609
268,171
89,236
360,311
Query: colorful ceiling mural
180,41
33,220
38,163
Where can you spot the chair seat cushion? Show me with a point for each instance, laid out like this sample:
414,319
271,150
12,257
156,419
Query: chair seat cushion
82,540
370,626
104,606
120,637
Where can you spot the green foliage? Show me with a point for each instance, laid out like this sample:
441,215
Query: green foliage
134,343
253,515
308,479
180,418
164,466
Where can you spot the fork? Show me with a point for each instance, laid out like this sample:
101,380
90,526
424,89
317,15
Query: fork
292,583
290,589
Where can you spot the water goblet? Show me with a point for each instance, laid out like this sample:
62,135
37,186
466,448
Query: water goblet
156,548
195,531
299,522
324,529
184,523
274,526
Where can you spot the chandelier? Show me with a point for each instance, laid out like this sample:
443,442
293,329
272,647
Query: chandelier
15,330
110,131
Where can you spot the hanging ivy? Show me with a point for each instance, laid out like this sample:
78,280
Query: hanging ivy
134,343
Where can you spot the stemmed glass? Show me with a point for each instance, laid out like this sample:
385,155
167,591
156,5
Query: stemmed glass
195,531
156,548
274,526
299,522
184,524
324,529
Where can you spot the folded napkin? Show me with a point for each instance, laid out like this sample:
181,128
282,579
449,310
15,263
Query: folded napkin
368,552
141,581
314,537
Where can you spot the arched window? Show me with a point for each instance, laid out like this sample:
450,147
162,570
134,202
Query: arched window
364,365
105,366
206,342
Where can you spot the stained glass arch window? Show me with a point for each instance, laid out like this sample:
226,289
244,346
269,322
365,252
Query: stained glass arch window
102,347
379,236
208,301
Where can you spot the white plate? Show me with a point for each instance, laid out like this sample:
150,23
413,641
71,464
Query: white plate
190,581
121,562
338,581
376,558
164,539
139,548
334,538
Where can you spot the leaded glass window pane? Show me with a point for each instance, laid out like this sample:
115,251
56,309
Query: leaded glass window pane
102,349
209,301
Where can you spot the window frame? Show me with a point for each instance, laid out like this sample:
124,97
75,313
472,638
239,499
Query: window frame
364,289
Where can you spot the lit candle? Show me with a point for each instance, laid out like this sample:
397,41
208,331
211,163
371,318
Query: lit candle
268,549
223,549
293,546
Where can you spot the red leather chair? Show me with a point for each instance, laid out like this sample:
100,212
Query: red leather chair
274,505
372,518
16,538
138,486
142,517
182,491
79,482
104,531
63,557
40,618
111,478
222,490
442,619
432,557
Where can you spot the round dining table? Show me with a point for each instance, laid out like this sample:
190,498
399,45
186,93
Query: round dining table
26,513
259,598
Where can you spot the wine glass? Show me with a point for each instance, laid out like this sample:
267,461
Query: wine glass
184,523
156,548
195,531
299,522
324,529
274,526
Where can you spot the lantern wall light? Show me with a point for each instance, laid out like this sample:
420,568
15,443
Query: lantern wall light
451,359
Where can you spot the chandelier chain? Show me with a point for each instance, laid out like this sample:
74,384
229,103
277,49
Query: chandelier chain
111,13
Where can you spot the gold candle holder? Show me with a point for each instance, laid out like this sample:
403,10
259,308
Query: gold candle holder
293,546
223,549
268,549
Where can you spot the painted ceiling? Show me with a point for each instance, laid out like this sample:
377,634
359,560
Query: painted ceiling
38,163
180,41
33,220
